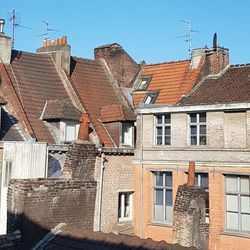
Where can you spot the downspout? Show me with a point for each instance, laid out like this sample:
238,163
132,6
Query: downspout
100,192
141,179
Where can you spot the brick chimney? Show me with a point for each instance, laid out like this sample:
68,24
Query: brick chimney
5,45
216,58
59,50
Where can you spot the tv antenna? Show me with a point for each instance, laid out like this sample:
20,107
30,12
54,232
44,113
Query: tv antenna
188,36
48,30
15,18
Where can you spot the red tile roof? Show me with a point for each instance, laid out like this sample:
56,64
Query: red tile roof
112,113
36,80
95,90
231,87
172,79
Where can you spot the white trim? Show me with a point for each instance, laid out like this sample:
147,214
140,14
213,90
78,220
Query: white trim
153,108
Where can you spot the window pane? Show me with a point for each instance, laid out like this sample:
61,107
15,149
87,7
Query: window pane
169,198
203,129
126,207
204,180
70,132
159,141
232,221
168,179
244,184
148,99
231,184
232,203
159,119
245,223
167,140
158,213
158,196
167,119
193,118
159,179
159,130
202,117
193,130
167,130
193,140
203,140
245,204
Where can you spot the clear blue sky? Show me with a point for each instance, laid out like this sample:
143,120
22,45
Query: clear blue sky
147,29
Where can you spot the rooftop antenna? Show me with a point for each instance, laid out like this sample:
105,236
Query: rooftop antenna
48,30
15,21
188,36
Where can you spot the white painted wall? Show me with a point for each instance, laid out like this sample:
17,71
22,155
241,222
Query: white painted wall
28,161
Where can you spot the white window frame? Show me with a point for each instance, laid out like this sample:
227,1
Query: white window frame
239,195
67,124
121,201
198,125
162,125
7,172
168,219
122,136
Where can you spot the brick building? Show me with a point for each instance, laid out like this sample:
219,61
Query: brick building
207,122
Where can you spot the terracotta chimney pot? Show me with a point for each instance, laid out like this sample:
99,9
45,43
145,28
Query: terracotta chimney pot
64,39
83,133
57,41
48,42
191,174
44,43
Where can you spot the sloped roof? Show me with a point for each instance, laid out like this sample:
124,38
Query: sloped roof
95,90
171,79
116,112
231,87
59,110
36,80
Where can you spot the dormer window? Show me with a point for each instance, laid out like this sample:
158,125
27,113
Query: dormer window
127,134
70,132
150,97
144,82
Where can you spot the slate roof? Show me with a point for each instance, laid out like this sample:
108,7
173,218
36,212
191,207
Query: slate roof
36,80
231,87
95,90
60,110
75,238
171,79
119,112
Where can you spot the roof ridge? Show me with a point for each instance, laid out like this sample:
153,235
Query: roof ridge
240,65
155,64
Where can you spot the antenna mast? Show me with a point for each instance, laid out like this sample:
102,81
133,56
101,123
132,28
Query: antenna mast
48,30
188,36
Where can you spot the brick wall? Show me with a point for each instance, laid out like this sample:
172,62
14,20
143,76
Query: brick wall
80,161
189,226
38,205
121,65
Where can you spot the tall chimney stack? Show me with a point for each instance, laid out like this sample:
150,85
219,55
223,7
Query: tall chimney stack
5,45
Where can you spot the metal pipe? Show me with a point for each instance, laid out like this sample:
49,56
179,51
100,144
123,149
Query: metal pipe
141,178
100,191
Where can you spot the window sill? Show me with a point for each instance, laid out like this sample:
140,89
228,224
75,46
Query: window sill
160,224
236,234
124,220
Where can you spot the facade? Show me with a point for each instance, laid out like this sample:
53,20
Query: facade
210,126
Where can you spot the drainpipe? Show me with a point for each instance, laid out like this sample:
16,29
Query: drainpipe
141,179
100,191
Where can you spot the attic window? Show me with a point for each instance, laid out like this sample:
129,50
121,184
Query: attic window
150,97
144,82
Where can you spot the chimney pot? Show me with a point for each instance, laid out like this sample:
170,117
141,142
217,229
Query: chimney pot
64,39
2,22
57,41
84,128
191,174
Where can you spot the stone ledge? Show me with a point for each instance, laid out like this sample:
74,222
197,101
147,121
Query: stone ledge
236,234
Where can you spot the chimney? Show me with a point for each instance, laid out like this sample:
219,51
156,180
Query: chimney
83,133
191,174
216,58
5,45
59,50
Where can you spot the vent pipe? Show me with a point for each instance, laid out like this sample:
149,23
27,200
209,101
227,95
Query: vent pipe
2,22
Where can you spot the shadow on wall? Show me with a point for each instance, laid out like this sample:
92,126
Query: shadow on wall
72,237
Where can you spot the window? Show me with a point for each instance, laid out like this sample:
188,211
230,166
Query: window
125,206
163,129
150,97
127,134
70,132
198,129
163,207
237,203
8,170
201,180
144,82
